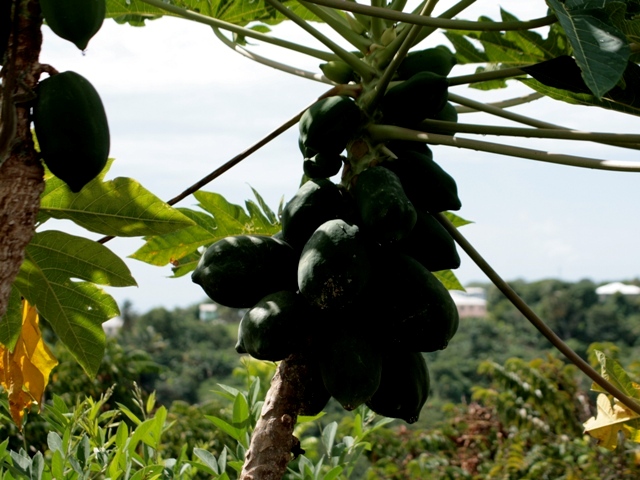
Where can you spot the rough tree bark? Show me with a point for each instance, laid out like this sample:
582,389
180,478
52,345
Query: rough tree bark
21,175
273,444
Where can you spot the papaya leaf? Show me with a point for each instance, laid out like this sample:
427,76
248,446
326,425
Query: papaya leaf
120,207
220,219
239,12
601,50
625,18
608,422
74,309
161,250
457,220
612,371
11,322
490,84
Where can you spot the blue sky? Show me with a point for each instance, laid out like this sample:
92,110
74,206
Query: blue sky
180,104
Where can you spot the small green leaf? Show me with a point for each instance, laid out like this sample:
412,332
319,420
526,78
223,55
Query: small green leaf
457,220
54,442
449,280
329,436
208,459
240,411
235,433
333,473
612,371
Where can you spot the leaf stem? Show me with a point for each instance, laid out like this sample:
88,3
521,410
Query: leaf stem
361,68
529,132
448,14
268,62
436,21
340,25
516,117
510,102
214,22
486,76
381,133
377,24
536,321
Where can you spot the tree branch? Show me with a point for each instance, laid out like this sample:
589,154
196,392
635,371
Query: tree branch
533,318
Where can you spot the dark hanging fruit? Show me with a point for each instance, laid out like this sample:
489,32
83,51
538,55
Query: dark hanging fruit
239,271
74,20
72,129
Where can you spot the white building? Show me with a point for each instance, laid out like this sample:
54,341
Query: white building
609,289
112,326
471,303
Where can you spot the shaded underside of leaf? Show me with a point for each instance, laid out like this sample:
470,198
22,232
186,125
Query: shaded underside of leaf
600,49
11,321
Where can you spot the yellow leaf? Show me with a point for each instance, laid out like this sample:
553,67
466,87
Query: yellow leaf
24,373
609,420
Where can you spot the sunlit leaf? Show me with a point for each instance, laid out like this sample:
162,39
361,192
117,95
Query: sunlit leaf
449,280
120,207
24,373
608,422
74,309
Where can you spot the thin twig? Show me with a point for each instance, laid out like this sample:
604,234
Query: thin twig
270,63
533,318
246,32
238,158
428,125
382,133
435,21
361,68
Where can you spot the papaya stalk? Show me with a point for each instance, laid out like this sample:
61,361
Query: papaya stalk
21,175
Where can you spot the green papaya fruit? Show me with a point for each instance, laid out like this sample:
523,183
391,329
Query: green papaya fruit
350,365
71,127
338,71
315,395
447,114
427,184
438,60
334,265
386,214
430,244
74,20
414,312
415,99
322,165
315,202
273,328
238,271
404,386
328,125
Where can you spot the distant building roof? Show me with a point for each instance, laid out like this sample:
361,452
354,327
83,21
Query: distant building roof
464,298
618,287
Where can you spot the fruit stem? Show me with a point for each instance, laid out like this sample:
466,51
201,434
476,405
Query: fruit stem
436,22
361,68
377,24
530,132
246,32
383,133
536,321
340,25
268,62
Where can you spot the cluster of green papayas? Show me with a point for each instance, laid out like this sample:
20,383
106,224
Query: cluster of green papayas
348,281
72,129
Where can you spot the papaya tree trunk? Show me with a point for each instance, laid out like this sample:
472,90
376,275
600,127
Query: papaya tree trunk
21,175
273,445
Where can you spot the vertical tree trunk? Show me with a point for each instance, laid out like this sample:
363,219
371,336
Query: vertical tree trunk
21,175
272,443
